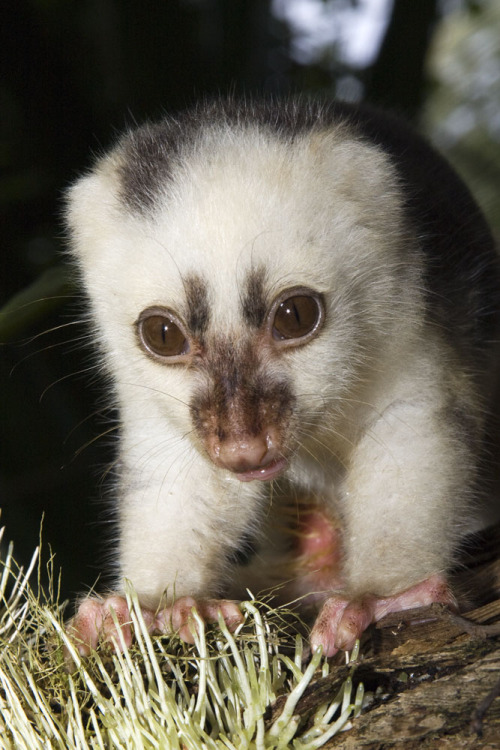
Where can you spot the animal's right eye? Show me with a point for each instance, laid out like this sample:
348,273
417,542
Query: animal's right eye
161,334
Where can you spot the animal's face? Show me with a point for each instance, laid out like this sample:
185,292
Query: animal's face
243,402
245,301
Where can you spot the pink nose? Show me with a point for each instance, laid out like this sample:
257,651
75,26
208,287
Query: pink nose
245,453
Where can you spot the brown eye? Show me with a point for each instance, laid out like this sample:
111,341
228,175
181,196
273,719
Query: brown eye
297,317
161,335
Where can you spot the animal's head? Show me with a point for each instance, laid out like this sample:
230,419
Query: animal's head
238,275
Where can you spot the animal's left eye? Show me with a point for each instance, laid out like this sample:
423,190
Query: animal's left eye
297,317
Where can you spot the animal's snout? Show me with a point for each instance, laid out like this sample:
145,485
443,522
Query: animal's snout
247,452
241,411
249,456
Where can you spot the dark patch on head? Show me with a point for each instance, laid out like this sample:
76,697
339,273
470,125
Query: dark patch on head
198,309
253,303
461,265
147,155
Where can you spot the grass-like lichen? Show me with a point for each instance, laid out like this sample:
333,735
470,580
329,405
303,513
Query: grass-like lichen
220,693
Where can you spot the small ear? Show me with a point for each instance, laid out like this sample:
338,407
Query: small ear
92,210
361,170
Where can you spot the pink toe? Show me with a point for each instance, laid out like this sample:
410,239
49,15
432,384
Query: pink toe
182,612
116,623
229,610
355,619
324,632
84,628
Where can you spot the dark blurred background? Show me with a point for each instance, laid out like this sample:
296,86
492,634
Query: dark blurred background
73,75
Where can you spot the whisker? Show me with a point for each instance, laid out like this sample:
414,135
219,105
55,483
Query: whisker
94,439
53,329
47,348
89,417
63,378
328,449
154,390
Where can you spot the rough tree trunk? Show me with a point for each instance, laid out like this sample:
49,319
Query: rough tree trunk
434,676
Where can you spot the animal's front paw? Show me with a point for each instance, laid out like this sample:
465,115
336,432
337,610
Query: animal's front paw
342,621
178,617
109,621
103,621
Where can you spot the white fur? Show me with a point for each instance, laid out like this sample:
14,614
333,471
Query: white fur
372,388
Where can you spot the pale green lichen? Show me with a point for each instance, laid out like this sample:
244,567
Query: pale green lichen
160,693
